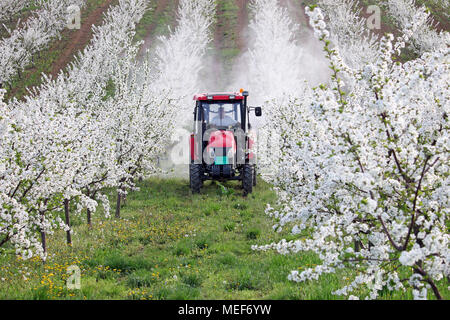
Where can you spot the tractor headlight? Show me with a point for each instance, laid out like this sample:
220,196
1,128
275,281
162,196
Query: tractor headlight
212,154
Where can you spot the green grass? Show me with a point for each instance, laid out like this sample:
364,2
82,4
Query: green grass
170,244
226,28
160,22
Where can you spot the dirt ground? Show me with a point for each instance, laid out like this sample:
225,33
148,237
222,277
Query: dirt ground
80,38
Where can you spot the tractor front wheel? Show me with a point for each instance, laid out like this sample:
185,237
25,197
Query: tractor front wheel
247,179
195,177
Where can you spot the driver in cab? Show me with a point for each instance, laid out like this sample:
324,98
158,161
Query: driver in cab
223,120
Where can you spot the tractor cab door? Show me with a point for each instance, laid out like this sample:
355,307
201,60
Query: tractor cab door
200,121
197,135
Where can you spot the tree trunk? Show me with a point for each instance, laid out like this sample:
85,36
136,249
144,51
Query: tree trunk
357,246
88,212
67,213
428,279
435,289
89,219
44,242
43,236
118,204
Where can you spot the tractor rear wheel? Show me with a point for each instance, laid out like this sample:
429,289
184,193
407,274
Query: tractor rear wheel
247,179
254,175
195,177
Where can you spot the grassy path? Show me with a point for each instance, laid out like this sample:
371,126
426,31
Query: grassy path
169,244
231,20
156,22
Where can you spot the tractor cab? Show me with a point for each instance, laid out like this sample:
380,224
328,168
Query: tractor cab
220,146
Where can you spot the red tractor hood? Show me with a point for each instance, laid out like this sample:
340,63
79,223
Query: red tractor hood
222,139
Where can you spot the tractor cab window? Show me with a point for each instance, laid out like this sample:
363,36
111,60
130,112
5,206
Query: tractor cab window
222,114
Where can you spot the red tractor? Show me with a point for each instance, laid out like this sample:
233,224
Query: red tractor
220,146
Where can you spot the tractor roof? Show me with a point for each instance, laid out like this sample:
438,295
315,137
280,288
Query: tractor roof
221,96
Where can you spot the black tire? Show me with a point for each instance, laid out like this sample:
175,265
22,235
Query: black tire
254,175
247,179
195,177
